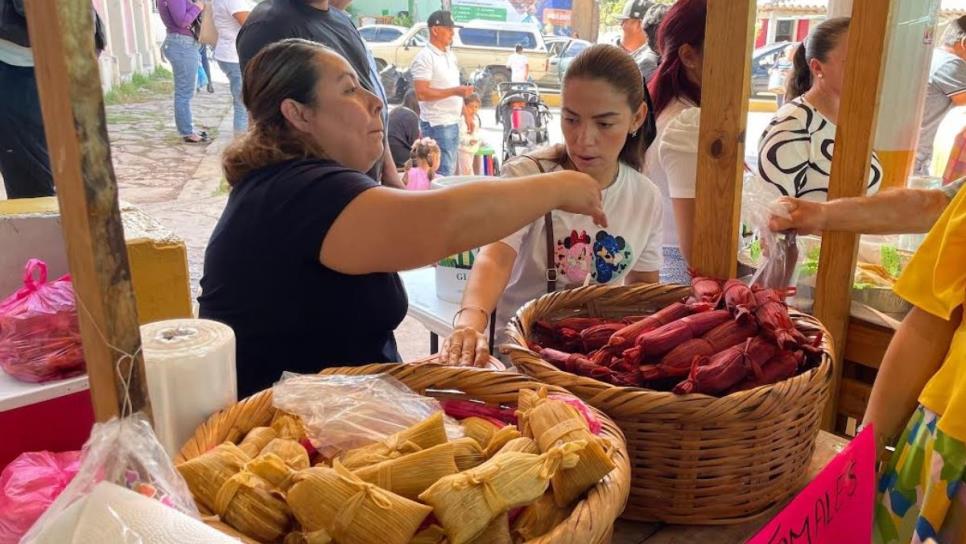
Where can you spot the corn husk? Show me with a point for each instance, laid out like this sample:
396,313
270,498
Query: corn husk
554,423
253,506
499,438
206,473
526,401
468,453
273,469
433,534
425,434
465,503
411,474
479,429
290,451
314,537
520,444
351,510
256,439
288,426
497,532
539,519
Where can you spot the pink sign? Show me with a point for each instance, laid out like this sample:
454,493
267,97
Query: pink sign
837,506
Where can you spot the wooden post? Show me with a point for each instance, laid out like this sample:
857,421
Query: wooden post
864,68
721,145
61,35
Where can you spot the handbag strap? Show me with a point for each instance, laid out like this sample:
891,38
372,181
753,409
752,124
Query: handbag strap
551,269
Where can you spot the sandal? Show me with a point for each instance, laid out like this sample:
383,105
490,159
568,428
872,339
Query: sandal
199,138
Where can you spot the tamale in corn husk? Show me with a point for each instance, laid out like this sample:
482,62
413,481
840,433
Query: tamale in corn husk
499,438
434,534
290,451
351,510
479,429
253,506
521,444
411,474
554,423
425,434
538,519
288,426
209,471
526,400
314,537
256,439
497,532
468,453
467,502
273,469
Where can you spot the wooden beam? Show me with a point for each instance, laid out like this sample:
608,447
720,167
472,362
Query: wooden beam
61,35
864,68
721,145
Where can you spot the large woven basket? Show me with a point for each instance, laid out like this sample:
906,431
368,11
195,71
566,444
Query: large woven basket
695,459
592,519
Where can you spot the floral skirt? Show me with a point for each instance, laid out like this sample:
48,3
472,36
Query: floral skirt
921,493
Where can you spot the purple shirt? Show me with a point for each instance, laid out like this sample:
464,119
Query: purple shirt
178,15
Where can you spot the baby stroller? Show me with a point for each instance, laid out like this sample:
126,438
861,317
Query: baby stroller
524,118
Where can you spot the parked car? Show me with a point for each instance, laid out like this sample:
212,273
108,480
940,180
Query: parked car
381,33
562,52
762,60
478,44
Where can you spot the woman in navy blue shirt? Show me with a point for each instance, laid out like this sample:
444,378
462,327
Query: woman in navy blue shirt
302,264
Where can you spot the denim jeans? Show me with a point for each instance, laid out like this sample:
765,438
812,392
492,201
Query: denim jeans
448,139
24,163
233,71
182,52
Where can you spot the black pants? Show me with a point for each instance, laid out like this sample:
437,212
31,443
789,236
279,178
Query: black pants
24,163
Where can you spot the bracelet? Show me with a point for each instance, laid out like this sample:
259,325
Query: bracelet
485,313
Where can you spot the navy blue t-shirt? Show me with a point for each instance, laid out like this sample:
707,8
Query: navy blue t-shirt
263,277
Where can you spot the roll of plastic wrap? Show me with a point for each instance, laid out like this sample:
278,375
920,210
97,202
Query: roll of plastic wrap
190,366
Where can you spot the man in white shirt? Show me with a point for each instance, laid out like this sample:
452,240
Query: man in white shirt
436,80
519,66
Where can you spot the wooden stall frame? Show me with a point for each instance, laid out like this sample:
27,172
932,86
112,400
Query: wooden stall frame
62,39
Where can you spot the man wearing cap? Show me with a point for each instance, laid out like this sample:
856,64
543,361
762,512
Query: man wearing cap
633,38
318,21
436,80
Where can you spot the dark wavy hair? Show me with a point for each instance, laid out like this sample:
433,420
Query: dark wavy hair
611,64
683,24
286,69
820,41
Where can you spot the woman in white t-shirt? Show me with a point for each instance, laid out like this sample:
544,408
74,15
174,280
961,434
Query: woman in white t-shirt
606,126
676,88
795,151
229,16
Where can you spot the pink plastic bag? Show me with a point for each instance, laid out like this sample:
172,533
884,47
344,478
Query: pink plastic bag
39,335
28,485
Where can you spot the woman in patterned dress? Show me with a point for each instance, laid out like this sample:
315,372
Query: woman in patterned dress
795,151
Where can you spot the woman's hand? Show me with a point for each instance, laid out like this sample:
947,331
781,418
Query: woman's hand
579,193
465,347
805,216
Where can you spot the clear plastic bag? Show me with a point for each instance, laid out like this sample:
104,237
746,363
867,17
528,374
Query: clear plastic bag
779,251
127,453
39,335
345,412
28,485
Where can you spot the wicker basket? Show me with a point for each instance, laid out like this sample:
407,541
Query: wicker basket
695,459
592,519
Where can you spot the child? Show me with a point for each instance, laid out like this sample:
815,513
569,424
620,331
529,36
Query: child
921,491
422,165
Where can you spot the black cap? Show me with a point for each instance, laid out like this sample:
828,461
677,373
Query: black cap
635,9
441,18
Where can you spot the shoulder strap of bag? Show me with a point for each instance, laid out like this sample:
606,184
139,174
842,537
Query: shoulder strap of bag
548,231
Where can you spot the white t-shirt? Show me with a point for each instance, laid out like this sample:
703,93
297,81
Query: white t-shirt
228,27
656,173
631,241
678,153
518,64
795,154
442,71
